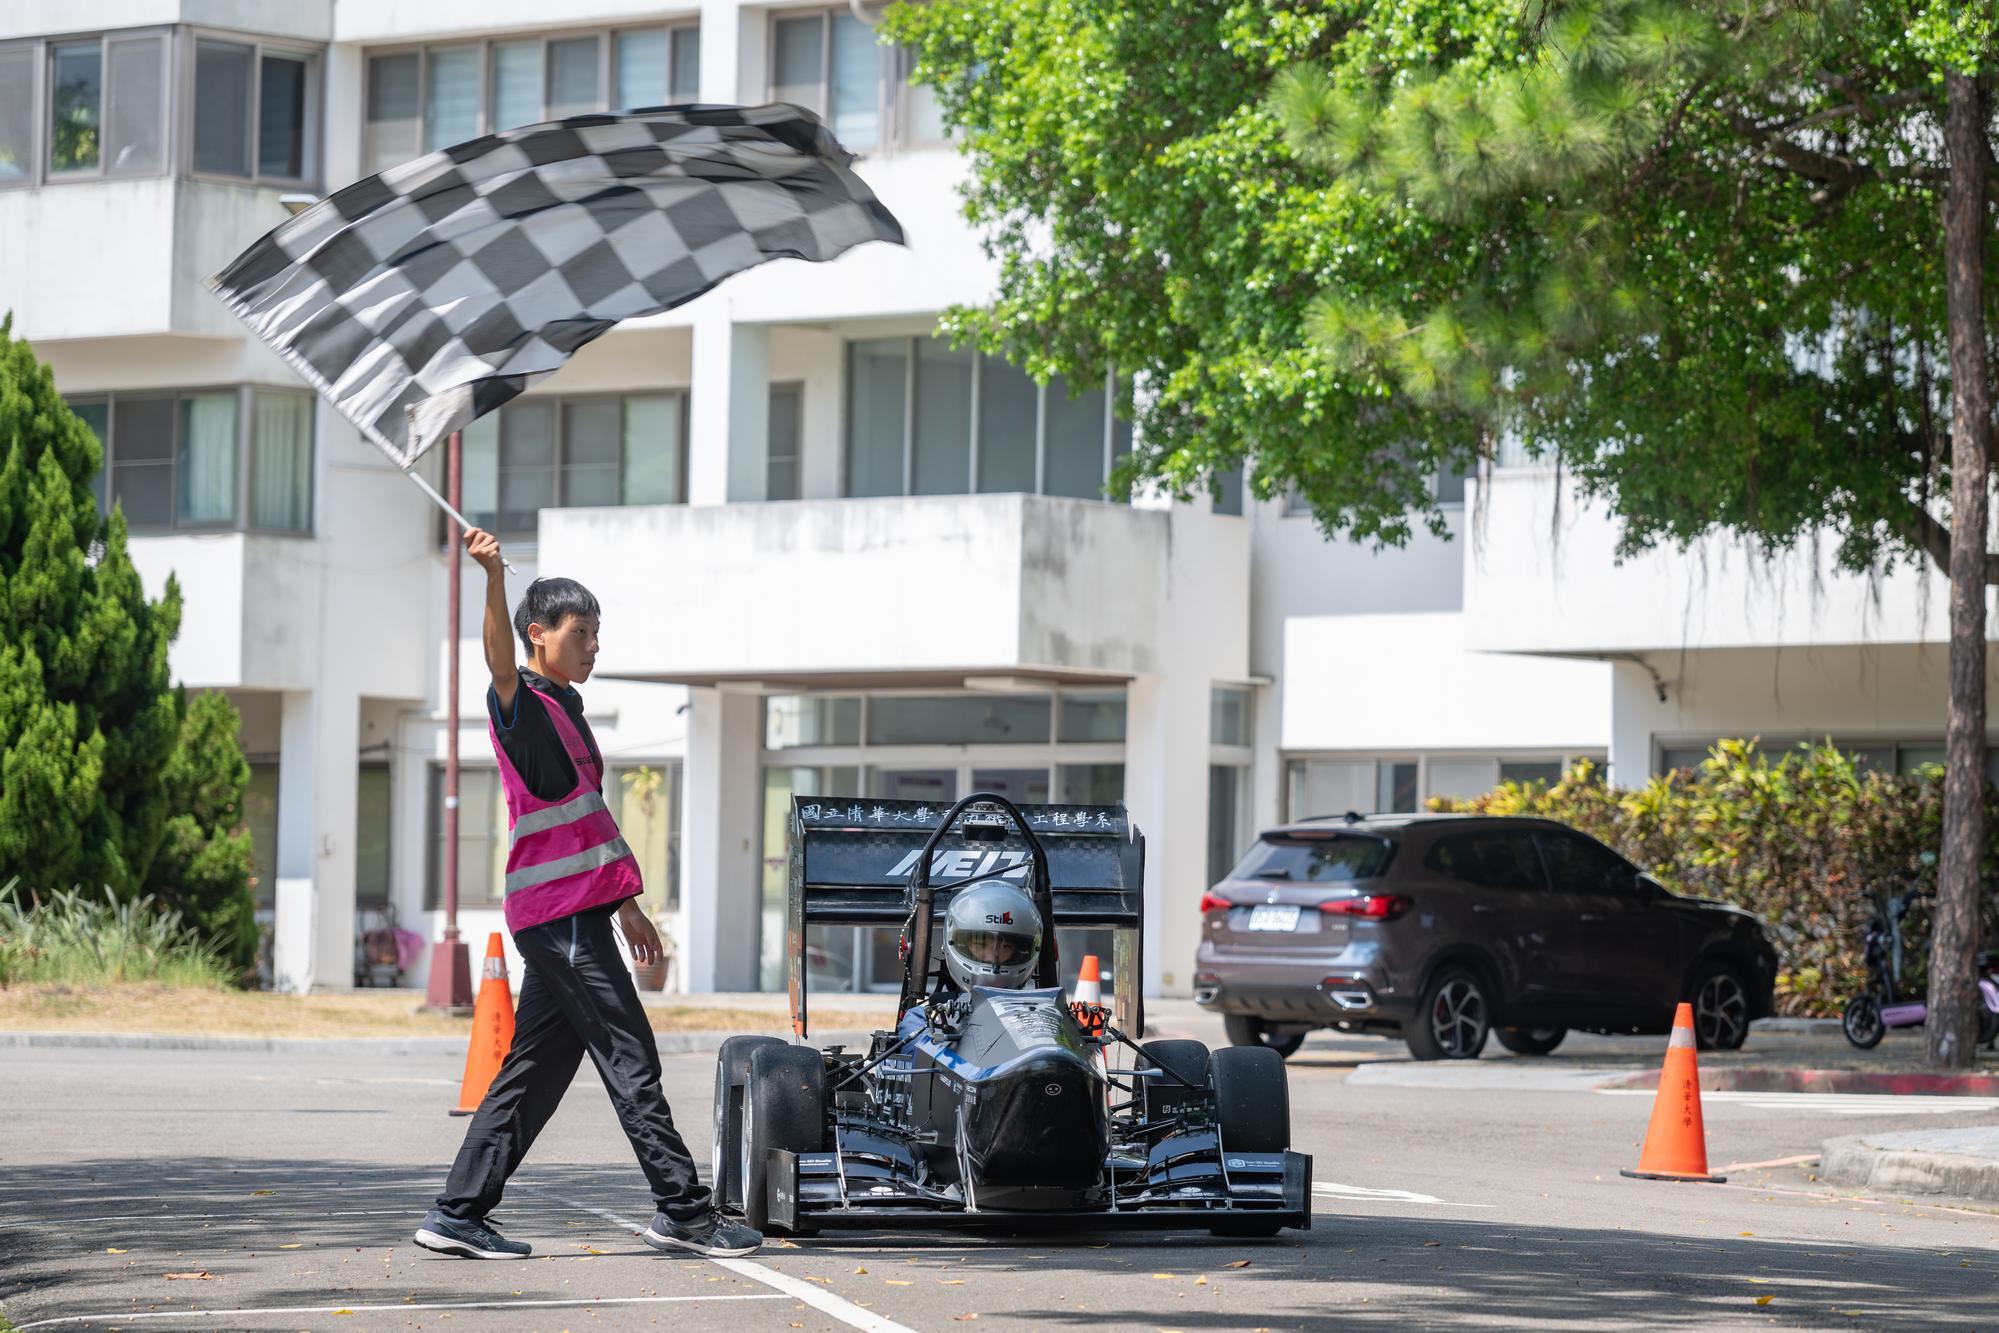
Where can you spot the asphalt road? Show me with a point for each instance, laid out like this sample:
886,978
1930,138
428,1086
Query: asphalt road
286,1187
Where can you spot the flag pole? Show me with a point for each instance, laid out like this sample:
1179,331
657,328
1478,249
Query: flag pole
450,507
450,965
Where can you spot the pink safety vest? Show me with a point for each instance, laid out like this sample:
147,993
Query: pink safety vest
564,856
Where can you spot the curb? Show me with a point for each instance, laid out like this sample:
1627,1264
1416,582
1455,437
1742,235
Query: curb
1860,1164
1753,1078
669,1043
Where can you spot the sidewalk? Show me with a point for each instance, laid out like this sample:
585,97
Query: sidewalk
1960,1163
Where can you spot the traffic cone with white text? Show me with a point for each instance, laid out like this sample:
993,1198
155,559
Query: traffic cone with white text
492,1029
1676,1140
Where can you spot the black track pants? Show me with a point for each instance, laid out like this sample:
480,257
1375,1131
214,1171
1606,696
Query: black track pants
578,996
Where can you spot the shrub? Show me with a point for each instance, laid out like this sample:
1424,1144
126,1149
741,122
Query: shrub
76,939
1803,839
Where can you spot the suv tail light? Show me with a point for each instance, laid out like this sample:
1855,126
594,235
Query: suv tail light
1214,902
1371,906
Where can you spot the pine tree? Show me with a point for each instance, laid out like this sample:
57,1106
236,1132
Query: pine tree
108,776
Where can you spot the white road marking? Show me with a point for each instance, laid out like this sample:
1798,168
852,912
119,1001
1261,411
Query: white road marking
1327,1189
1834,1103
817,1297
128,1316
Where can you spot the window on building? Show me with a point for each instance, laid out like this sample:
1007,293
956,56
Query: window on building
1089,784
795,721
1228,817
832,64
1229,715
927,419
958,719
260,817
1226,489
107,108
555,453
422,100
482,839
17,115
221,458
1091,715
374,815
1546,772
787,413
251,109
646,800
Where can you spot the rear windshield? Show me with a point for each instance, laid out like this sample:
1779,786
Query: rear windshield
1316,860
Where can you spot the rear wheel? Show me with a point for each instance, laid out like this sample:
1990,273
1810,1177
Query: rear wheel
1252,1099
784,1106
1862,1022
732,1068
1246,1031
1721,1009
1453,1019
1530,1041
1188,1059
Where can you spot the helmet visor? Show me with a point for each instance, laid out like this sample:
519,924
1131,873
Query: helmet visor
992,947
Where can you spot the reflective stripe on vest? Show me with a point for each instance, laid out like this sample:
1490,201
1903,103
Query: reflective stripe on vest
586,802
590,858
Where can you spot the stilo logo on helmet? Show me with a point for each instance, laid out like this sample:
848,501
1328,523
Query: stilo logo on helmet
999,919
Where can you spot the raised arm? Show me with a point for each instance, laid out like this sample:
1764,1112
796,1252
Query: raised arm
498,635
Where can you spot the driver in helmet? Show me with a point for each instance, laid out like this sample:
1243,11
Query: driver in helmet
992,936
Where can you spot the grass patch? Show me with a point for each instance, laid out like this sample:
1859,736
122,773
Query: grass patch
162,1010
77,939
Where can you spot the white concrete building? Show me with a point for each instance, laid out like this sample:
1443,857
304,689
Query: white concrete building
836,556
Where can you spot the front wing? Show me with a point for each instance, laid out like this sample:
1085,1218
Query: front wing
1191,1190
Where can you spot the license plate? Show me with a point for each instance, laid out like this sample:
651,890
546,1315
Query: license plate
1273,917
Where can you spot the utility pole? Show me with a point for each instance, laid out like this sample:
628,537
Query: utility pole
450,966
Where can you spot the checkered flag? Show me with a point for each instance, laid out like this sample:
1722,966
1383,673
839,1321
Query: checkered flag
427,296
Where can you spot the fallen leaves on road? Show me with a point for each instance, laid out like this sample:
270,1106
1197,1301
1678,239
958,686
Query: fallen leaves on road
295,1245
113,1249
199,1275
1201,1281
1163,1275
1431,1244
826,1280
256,1193
1236,1263
1765,1300
964,1318
858,1272
950,1282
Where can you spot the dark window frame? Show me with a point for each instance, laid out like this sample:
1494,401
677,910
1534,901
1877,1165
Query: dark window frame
246,457
892,82
312,136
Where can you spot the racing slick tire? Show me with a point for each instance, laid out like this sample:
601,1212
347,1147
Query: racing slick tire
1244,1030
1453,1018
784,1106
1252,1099
1530,1041
1188,1059
732,1068
1253,1111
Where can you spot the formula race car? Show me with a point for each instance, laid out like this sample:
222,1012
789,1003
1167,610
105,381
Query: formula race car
996,1100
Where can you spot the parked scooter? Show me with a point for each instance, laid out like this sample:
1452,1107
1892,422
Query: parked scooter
1881,1006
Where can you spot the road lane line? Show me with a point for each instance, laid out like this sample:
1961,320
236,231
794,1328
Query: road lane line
128,1316
817,1297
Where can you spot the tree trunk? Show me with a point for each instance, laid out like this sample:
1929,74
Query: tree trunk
1953,1016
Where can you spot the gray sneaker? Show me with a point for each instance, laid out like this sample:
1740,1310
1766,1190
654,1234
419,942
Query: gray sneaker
711,1234
467,1240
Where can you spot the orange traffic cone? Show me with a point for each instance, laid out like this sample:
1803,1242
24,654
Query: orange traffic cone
492,1029
1090,981
1675,1141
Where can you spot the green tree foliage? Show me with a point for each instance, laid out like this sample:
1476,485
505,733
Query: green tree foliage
109,778
1134,189
1801,838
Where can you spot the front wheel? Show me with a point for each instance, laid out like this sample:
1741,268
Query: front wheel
1252,1099
1721,1009
1453,1020
1862,1022
732,1070
1246,1031
784,1106
1531,1041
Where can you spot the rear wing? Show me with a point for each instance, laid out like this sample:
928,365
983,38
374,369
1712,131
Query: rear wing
854,863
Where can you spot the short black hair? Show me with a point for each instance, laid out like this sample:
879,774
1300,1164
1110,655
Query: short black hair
549,602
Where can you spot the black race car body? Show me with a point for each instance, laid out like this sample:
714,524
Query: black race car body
1012,1108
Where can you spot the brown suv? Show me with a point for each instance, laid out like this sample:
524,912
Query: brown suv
1446,927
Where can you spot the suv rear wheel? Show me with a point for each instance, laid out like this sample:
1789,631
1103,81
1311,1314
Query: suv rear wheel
1454,1018
1721,1009
1246,1031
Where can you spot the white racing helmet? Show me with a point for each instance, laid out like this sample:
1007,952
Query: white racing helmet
992,936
